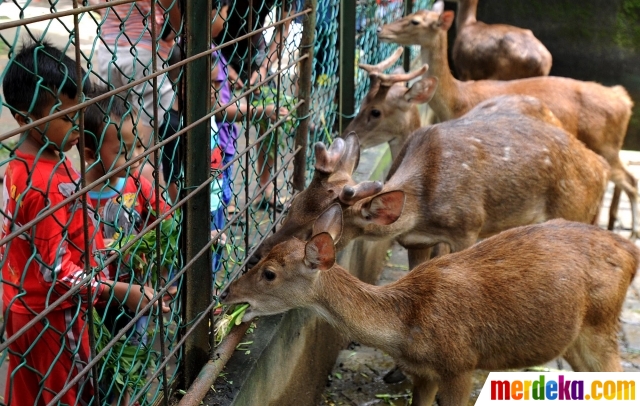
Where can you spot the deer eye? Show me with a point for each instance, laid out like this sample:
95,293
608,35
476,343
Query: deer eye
375,113
269,275
415,22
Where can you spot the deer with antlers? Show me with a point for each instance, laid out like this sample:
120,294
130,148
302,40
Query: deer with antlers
521,298
494,51
596,115
391,110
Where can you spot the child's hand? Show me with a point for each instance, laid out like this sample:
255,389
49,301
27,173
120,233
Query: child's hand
140,296
220,237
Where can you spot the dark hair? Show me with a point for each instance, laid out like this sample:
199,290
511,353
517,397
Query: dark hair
35,75
99,112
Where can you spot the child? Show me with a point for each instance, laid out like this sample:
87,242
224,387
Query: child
228,131
47,260
125,202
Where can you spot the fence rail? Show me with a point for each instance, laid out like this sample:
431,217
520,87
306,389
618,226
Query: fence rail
143,164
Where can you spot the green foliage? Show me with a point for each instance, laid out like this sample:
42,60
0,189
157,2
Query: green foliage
628,25
142,253
124,366
269,95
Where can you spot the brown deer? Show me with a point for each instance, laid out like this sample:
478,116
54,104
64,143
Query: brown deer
494,168
389,112
494,51
333,169
521,298
597,115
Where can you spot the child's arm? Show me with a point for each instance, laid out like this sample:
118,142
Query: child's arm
237,111
135,297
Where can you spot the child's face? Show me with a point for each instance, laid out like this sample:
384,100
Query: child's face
218,18
118,150
63,132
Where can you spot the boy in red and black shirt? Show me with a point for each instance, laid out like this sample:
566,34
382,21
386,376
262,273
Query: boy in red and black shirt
46,260
125,202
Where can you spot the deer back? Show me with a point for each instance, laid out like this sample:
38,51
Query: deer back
488,171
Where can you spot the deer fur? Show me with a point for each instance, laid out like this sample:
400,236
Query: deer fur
333,169
597,115
518,299
457,181
495,51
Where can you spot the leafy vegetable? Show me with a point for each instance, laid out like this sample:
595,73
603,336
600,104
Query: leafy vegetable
226,323
269,95
142,253
125,365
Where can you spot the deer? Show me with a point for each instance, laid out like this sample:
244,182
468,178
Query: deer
392,112
456,182
518,299
389,111
494,51
596,115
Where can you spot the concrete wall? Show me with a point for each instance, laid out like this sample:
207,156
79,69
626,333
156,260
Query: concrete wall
292,354
595,40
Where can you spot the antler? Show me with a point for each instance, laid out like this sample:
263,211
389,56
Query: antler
384,65
390,79
351,194
326,160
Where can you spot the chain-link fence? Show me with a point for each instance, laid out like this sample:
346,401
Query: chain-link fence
147,148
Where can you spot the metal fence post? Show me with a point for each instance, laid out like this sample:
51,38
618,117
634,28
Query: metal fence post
406,63
347,62
196,153
305,88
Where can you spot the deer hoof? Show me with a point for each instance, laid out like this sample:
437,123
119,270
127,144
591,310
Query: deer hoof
394,376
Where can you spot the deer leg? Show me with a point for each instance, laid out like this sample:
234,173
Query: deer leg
424,391
594,352
418,256
455,391
613,209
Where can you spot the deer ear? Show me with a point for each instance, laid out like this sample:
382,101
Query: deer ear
446,20
422,91
319,253
330,221
385,208
438,6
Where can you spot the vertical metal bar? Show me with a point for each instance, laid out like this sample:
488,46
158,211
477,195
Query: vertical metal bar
279,13
247,161
85,213
198,292
304,86
406,63
347,62
156,179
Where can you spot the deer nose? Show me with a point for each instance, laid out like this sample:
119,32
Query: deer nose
379,30
224,294
253,261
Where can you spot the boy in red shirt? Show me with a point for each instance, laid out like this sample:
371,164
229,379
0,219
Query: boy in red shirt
46,260
125,202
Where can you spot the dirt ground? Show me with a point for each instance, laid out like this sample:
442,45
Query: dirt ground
356,379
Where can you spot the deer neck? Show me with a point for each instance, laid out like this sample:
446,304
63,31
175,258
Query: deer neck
444,97
362,312
467,11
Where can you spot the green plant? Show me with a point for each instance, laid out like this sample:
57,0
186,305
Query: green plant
124,366
226,323
269,95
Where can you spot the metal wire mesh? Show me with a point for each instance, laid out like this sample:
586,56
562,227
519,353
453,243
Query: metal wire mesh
96,237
